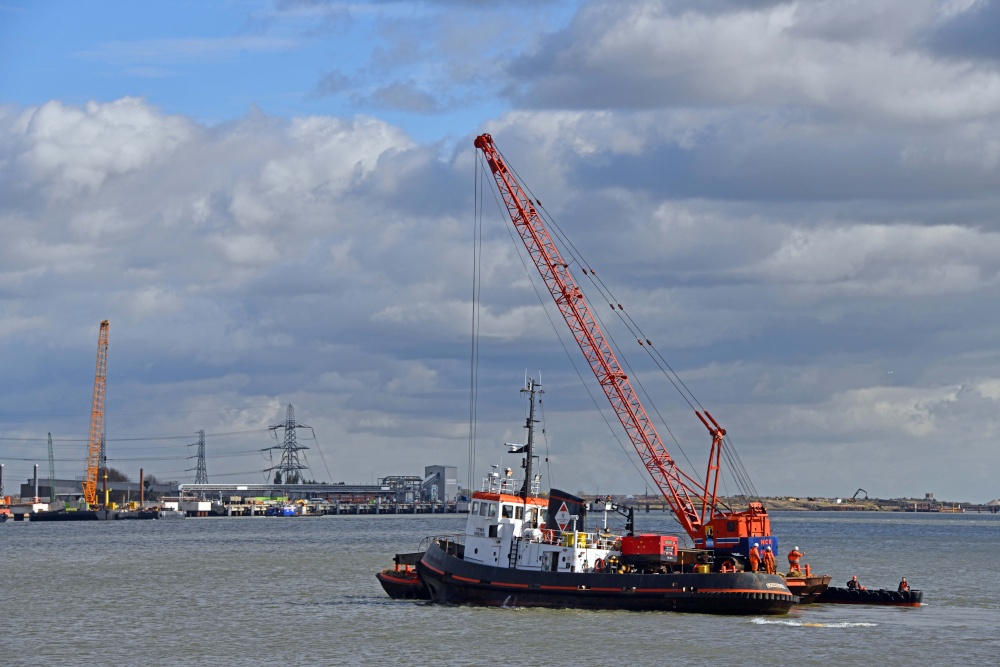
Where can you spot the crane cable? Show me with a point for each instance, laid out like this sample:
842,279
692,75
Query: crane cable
477,249
545,301
736,467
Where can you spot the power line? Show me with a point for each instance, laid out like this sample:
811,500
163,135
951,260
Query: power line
143,439
128,414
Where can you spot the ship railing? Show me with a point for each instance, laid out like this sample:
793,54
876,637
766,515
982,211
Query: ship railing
504,483
443,540
569,538
497,483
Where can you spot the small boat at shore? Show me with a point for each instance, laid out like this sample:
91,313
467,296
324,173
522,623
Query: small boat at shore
880,596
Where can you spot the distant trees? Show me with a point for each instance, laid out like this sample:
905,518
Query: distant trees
115,475
147,482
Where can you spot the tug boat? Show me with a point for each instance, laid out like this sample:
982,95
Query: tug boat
520,549
509,557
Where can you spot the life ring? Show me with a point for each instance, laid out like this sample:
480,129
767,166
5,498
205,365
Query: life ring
599,565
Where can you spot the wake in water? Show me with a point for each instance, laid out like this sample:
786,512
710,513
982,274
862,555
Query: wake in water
807,624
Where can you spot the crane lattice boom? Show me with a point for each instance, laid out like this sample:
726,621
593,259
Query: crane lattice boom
96,417
678,488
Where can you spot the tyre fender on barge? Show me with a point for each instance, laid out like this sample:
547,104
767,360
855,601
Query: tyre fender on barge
881,596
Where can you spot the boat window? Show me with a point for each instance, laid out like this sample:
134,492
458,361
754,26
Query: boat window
475,507
483,508
518,512
493,510
506,511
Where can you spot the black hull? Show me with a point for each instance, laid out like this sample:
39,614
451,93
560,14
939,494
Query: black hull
82,515
137,515
909,598
452,580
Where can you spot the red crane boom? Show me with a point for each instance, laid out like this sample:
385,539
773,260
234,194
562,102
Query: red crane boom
679,489
96,417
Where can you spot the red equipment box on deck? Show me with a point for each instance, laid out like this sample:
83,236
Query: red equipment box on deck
650,548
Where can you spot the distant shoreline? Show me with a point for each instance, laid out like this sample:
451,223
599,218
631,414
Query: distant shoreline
790,504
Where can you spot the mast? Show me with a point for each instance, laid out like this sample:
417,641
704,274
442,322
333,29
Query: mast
531,388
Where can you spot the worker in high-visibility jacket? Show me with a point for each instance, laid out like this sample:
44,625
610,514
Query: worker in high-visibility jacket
769,565
754,558
793,559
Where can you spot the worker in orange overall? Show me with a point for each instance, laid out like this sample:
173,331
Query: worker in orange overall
754,558
793,560
769,565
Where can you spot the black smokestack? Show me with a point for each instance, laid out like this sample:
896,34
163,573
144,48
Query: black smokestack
562,506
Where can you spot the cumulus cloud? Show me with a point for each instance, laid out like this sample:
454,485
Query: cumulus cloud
901,260
75,149
788,54
795,201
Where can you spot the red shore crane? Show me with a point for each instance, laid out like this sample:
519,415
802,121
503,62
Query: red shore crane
695,504
96,417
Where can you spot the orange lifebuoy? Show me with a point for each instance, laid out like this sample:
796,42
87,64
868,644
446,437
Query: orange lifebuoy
599,565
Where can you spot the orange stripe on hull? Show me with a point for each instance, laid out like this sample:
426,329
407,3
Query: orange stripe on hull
431,567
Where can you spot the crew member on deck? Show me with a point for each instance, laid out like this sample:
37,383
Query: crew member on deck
769,565
793,559
903,586
854,584
754,558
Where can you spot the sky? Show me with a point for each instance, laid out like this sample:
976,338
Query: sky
275,202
